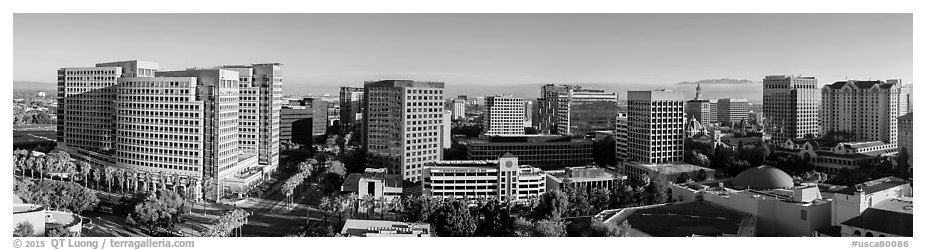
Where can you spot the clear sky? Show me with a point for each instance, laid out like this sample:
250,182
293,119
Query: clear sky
327,50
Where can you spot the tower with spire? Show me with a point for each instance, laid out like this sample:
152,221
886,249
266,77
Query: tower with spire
698,92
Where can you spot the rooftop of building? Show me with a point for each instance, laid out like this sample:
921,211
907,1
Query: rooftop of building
403,83
583,173
354,227
892,216
763,177
536,138
352,180
696,218
857,145
669,168
872,186
780,77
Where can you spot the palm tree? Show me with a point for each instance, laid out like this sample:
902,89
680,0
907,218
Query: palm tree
352,204
84,171
381,203
368,203
109,178
325,205
32,164
397,206
339,207
96,177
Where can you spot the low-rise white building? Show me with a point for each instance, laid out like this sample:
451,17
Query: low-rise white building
375,183
502,179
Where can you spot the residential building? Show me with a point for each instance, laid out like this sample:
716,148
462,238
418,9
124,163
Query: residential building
383,228
504,115
375,183
731,111
655,125
866,109
542,151
503,179
905,133
587,177
790,105
403,125
584,111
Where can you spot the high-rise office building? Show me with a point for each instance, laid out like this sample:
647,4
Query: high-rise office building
459,108
528,113
403,125
320,114
790,105
904,105
218,88
267,80
583,111
296,125
548,107
655,126
620,138
159,129
351,103
905,133
699,110
866,109
504,115
730,111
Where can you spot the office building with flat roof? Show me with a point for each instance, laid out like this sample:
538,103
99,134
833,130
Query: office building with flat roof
167,129
403,125
655,126
503,179
542,151
504,115
586,177
584,111
731,111
905,133
620,138
790,105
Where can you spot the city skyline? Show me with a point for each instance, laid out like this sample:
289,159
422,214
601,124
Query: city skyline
618,51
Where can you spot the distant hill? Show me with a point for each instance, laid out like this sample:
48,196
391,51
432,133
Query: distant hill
22,86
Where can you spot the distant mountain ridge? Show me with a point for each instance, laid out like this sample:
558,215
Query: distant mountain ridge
34,86
719,81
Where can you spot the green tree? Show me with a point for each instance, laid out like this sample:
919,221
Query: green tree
23,229
552,204
599,228
496,219
453,219
548,228
162,208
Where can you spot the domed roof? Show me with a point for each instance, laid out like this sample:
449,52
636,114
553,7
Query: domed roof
763,177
